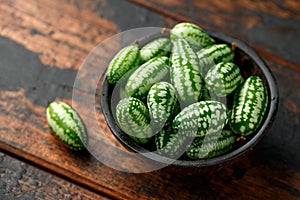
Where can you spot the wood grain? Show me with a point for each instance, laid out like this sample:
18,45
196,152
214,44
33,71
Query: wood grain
270,27
61,33
20,180
39,66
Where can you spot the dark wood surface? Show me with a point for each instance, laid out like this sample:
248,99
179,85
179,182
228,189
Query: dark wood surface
42,45
20,180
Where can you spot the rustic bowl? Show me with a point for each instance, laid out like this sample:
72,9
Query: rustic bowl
250,64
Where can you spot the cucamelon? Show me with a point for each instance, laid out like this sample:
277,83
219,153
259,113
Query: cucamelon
133,118
67,125
170,144
146,75
249,106
201,118
223,78
162,102
156,48
125,60
185,74
212,145
213,55
195,35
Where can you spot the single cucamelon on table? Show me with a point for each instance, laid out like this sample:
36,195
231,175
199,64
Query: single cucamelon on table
67,125
170,144
195,35
162,102
184,73
223,78
125,60
249,105
213,55
201,118
212,145
133,118
141,80
156,48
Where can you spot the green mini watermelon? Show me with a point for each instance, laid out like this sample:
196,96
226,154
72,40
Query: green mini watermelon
162,102
141,80
223,78
67,125
156,48
185,73
195,35
249,106
212,145
214,54
170,144
201,118
124,61
133,118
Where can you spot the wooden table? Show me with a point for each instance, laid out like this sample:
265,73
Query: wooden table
44,42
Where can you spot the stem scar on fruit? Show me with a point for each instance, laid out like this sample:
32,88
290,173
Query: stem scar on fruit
233,46
241,138
164,31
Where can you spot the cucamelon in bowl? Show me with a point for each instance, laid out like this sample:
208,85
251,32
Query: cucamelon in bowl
221,97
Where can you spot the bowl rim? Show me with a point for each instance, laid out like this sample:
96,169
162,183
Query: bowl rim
264,127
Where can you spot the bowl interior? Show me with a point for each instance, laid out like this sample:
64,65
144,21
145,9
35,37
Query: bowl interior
250,64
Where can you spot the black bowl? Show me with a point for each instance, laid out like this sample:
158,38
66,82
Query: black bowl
250,64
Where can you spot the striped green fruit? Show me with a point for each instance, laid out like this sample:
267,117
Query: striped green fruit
223,78
162,102
249,106
212,145
146,75
201,118
125,60
156,48
133,119
195,35
171,144
184,73
67,125
213,55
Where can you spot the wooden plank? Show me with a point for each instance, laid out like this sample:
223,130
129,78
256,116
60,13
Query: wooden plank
25,92
60,32
20,180
270,27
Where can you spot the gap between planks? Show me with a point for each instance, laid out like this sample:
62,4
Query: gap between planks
177,17
58,171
